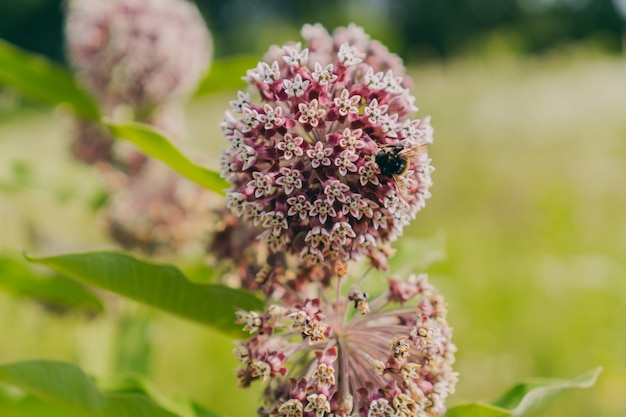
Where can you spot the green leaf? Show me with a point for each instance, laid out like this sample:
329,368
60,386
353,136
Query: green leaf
54,291
160,286
38,77
132,345
226,74
65,386
37,396
476,410
416,254
200,411
537,391
16,403
155,144
524,397
132,384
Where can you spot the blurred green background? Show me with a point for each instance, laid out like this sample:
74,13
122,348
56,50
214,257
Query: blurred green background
526,226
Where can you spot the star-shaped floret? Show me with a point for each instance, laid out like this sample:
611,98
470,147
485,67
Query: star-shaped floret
276,221
273,117
345,162
311,113
250,119
349,55
291,179
295,56
319,155
375,112
290,145
243,100
351,139
347,104
299,206
323,75
295,87
264,73
336,190
322,208
317,236
317,403
261,184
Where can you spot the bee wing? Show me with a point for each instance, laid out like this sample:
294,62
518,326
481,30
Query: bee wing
402,186
414,151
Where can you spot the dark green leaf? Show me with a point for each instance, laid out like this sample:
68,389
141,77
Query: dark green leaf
160,286
65,386
56,292
155,144
38,77
226,74
524,397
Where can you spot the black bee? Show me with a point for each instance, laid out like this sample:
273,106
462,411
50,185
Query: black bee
394,161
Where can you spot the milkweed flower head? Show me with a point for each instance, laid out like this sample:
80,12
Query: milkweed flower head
138,52
303,162
392,358
157,212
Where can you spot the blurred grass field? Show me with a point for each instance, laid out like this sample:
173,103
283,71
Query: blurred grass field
530,196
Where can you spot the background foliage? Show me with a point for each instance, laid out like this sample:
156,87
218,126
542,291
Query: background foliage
526,234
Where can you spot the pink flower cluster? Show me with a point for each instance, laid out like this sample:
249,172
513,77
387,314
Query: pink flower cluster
159,213
146,56
138,52
303,162
391,359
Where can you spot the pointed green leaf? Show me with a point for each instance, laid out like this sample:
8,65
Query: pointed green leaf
155,144
65,386
133,384
16,403
54,291
160,286
200,411
226,74
525,396
537,391
476,410
415,254
38,77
